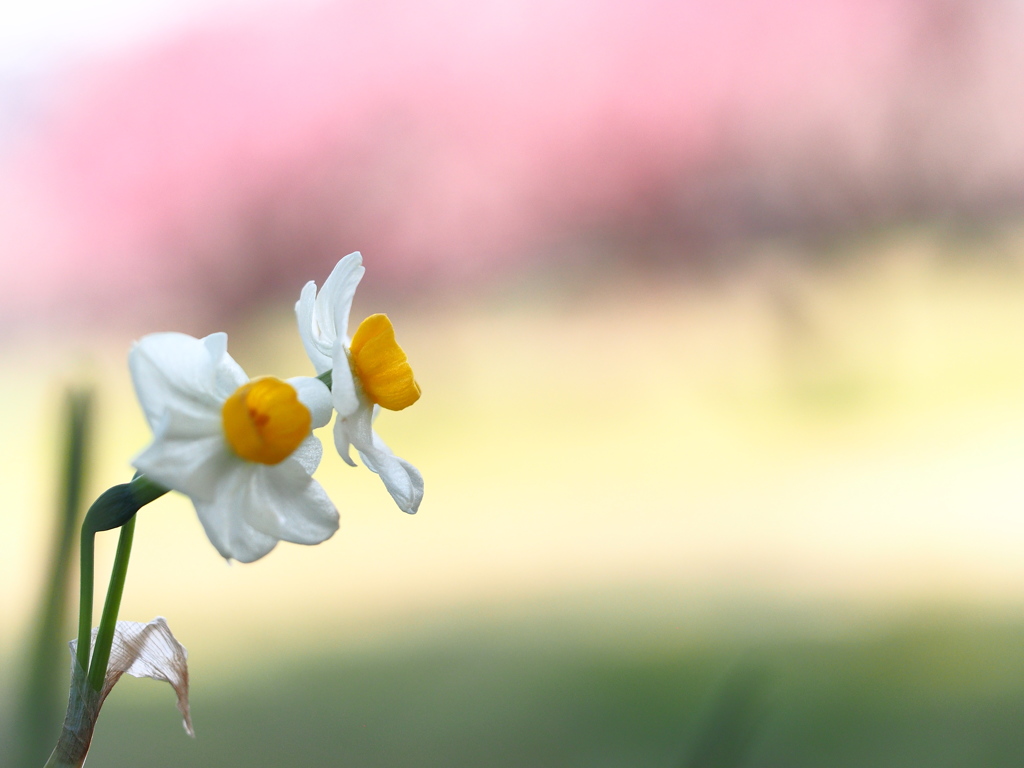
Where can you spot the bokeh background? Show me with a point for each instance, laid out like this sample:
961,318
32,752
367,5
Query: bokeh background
717,308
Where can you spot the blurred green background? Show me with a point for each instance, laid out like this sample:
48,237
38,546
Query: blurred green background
717,314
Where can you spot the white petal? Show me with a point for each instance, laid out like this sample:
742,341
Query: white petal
315,395
181,459
323,317
334,303
289,505
354,429
222,514
313,337
308,454
345,389
228,375
403,481
256,505
342,441
172,371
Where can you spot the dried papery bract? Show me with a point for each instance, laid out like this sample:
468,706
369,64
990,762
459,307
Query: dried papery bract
140,650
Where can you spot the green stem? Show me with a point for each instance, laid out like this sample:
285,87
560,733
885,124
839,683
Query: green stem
87,559
58,760
327,377
144,490
105,635
115,508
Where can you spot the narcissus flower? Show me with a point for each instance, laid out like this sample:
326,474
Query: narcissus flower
369,372
241,449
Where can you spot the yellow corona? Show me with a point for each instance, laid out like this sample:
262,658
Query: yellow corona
264,421
381,366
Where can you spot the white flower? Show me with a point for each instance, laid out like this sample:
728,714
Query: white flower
369,372
242,450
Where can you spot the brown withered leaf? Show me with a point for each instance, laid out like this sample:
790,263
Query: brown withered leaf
140,650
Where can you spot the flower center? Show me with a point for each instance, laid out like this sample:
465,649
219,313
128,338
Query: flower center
381,365
264,420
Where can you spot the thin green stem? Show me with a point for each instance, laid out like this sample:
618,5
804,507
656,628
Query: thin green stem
115,508
105,635
58,760
87,559
327,377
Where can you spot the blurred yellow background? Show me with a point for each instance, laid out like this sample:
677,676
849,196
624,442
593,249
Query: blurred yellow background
800,435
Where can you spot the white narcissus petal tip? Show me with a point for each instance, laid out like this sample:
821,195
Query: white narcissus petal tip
334,304
323,316
403,481
312,336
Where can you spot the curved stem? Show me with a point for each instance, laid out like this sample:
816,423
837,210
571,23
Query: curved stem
87,559
105,635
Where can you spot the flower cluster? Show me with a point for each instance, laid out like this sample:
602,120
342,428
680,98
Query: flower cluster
243,449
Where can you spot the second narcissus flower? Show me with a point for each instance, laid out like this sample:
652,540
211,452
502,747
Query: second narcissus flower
369,372
241,449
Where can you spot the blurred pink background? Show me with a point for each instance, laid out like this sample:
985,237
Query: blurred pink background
236,151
